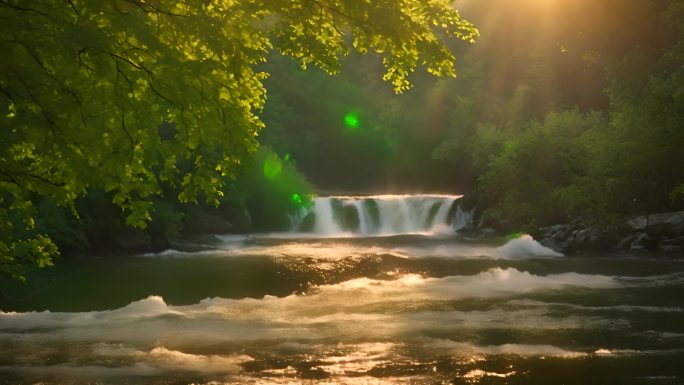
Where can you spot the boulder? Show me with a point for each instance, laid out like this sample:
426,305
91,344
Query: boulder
553,245
671,244
557,233
659,225
643,242
626,242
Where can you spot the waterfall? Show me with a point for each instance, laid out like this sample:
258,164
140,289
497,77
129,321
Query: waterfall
463,218
377,214
325,222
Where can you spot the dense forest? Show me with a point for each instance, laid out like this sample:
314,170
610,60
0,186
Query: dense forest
582,120
543,124
560,111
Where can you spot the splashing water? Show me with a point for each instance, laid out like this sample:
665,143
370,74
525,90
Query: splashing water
525,246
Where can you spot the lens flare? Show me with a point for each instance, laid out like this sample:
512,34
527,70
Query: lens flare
273,166
296,198
352,120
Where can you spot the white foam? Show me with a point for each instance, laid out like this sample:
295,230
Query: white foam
151,306
224,251
494,282
525,246
134,362
479,373
340,311
88,373
197,362
441,244
526,350
164,253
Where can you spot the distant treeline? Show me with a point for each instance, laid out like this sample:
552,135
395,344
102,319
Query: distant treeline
573,110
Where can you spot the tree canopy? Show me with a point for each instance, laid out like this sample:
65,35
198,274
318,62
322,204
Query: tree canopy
127,95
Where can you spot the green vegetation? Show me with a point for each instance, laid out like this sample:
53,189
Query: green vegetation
142,99
555,116
127,123
622,160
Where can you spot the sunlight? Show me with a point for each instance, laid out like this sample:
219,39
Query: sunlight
506,26
188,195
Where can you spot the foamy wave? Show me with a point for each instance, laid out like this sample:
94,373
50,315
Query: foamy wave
150,337
70,372
479,373
125,361
173,253
494,282
525,246
165,253
463,348
197,362
442,244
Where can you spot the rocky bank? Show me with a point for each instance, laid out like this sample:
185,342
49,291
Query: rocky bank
662,232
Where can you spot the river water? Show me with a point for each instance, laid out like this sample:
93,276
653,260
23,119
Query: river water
340,305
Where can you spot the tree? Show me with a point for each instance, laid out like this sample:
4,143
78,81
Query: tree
124,95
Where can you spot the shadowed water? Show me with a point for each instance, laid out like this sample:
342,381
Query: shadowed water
294,308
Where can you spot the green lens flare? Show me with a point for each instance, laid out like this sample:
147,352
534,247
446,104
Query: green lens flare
273,166
296,198
352,120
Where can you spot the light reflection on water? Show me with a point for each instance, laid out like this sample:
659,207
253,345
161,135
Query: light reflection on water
392,310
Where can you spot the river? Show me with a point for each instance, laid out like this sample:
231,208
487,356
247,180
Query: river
367,290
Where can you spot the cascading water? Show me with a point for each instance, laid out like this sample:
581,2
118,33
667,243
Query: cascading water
376,214
463,218
325,222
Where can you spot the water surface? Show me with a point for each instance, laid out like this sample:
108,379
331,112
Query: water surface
424,308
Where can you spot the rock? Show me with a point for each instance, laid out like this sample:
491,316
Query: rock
653,232
643,242
668,248
554,229
658,225
560,235
587,235
552,244
677,241
626,242
637,224
590,239
671,244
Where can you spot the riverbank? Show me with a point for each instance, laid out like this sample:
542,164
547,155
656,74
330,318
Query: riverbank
654,233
